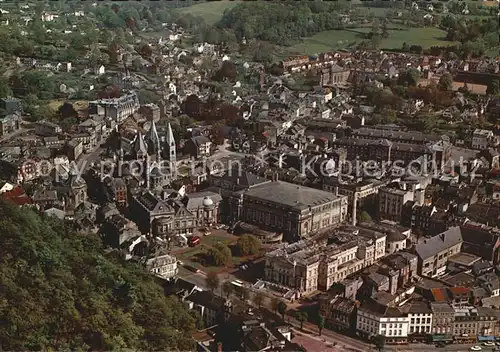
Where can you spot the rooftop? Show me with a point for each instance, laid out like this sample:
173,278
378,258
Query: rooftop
434,245
290,195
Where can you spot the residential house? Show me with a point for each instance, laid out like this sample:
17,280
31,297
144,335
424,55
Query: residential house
433,252
198,147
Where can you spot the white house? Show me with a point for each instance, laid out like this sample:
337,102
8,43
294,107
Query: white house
420,318
374,319
99,70
481,139
6,187
48,17
79,13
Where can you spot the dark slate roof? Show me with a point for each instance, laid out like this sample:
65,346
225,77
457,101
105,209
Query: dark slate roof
439,243
290,195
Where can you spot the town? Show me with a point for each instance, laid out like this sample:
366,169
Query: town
343,201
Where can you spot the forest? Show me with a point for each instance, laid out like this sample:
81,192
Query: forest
59,290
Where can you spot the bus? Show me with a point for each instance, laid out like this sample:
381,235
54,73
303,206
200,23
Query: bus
193,241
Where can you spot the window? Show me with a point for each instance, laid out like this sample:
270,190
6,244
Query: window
428,320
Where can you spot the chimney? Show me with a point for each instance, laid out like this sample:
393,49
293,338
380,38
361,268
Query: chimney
219,346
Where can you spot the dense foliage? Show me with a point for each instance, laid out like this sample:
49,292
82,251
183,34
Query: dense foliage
59,290
282,22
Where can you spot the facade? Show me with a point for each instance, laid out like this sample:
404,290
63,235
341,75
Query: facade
433,253
481,139
211,308
164,266
339,312
118,109
198,147
205,207
334,75
374,319
391,202
472,322
420,319
313,264
383,150
296,211
443,316
9,124
46,128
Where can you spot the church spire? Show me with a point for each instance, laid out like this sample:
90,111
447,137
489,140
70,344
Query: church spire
140,147
153,139
170,136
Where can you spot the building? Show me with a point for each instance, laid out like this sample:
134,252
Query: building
212,309
205,207
317,263
11,105
383,150
74,149
443,316
375,319
334,75
481,240
295,210
9,124
420,320
339,312
46,128
397,236
397,136
118,109
482,139
198,147
164,266
392,200
433,252
472,322
150,111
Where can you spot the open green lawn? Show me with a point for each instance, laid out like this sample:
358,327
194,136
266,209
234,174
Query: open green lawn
344,39
211,11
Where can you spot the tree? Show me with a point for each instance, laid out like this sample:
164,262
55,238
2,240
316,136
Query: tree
275,301
212,281
258,299
364,217
379,342
225,252
445,82
248,245
493,87
227,72
321,323
227,288
5,90
67,110
282,309
100,301
302,317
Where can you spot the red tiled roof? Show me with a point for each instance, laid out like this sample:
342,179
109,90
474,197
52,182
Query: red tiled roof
17,196
439,294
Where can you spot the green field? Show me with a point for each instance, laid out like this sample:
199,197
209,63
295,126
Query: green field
211,11
344,39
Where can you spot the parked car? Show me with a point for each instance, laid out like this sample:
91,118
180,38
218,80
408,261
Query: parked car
193,241
489,344
476,348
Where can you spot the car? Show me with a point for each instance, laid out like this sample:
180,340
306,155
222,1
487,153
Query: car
475,348
489,344
243,267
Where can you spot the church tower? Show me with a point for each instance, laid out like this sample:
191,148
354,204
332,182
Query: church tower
139,147
153,141
170,152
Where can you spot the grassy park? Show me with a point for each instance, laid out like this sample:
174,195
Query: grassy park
347,38
211,11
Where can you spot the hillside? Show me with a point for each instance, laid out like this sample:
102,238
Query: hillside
58,290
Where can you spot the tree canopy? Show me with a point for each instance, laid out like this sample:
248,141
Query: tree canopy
60,290
248,244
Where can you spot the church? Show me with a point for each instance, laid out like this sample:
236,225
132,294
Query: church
148,155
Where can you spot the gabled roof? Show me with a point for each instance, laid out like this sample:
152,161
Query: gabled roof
434,245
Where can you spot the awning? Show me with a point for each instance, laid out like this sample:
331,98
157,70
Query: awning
441,338
486,338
